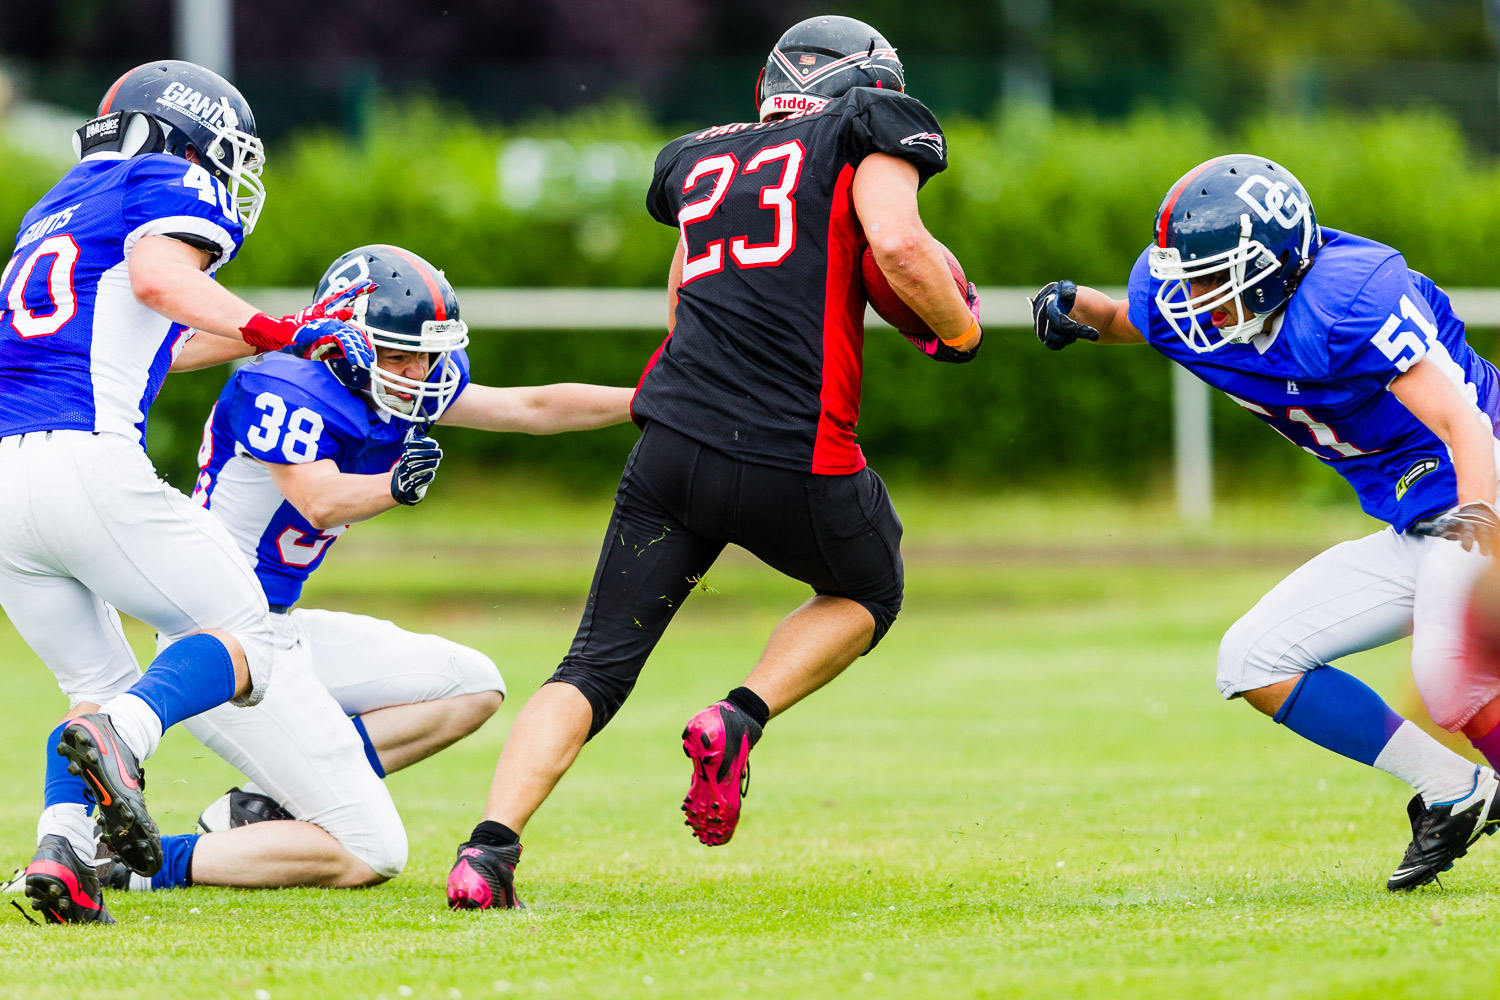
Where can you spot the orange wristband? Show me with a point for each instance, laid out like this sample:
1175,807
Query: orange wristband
960,342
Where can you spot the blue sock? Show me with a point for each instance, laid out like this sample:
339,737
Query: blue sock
1339,712
187,678
177,860
59,786
370,754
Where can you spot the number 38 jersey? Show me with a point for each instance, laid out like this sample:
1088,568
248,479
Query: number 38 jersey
1320,375
765,360
280,410
77,351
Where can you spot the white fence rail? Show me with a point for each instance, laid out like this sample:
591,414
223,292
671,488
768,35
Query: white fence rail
645,309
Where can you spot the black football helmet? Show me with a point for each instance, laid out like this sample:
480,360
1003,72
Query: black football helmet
822,58
1242,225
413,308
169,106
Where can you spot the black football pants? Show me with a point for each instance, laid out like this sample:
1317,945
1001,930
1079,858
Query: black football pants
678,504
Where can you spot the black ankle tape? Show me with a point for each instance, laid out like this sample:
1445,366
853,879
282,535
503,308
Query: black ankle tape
494,835
750,703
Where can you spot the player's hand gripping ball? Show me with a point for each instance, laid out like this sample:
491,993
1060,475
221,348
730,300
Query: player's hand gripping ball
416,470
1050,319
1474,526
894,310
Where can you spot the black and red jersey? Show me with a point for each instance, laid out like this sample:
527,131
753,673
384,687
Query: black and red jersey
766,357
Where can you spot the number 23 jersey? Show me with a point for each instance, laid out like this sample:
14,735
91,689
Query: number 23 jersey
1320,376
280,410
765,360
77,351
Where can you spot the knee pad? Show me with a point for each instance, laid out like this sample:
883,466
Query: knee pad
477,672
382,846
884,613
1251,657
261,641
605,693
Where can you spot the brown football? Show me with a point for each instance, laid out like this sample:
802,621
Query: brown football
889,305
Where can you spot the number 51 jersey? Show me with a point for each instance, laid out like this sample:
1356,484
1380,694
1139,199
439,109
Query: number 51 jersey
765,360
77,351
280,410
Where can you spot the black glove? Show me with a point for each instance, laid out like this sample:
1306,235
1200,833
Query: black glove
416,470
1472,525
1049,316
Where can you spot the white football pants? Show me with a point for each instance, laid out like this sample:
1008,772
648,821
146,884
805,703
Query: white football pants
1362,594
299,744
89,527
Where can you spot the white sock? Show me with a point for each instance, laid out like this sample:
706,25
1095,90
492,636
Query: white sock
1438,774
139,883
70,820
253,789
136,722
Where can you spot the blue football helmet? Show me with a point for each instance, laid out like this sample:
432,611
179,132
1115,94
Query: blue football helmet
170,106
412,308
1242,225
821,58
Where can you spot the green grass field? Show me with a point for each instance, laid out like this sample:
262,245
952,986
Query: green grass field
1031,789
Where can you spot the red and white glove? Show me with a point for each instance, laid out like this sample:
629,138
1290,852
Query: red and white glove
267,334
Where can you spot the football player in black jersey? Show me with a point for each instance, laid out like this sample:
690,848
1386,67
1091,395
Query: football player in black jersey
748,413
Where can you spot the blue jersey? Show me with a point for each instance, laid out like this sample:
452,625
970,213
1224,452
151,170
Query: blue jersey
279,410
77,351
1320,374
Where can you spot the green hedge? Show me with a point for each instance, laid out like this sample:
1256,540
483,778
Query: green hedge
559,202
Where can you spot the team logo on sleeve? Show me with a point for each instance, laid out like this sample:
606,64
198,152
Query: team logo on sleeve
931,140
1416,472
1273,200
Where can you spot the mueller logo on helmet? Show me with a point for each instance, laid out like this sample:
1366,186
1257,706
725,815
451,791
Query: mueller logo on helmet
1234,236
413,309
171,106
822,58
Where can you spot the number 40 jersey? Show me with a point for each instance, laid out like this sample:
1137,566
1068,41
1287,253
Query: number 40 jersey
1321,372
77,351
765,360
280,410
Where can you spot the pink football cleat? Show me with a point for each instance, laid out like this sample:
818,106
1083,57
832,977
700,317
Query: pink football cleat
484,878
718,740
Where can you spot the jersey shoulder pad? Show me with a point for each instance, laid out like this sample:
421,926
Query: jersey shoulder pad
165,195
1363,295
877,120
658,201
271,395
1140,296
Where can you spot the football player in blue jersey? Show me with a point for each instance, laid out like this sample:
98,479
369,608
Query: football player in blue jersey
112,271
1343,349
293,453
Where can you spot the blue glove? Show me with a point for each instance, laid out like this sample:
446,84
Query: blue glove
1050,319
331,339
416,470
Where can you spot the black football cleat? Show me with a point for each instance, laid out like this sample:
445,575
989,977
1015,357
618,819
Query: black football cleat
1443,833
236,808
63,888
115,782
484,878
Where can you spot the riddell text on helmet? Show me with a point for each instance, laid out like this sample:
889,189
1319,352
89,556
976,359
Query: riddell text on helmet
796,102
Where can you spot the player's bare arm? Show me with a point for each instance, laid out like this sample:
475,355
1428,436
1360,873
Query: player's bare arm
541,409
167,276
885,198
329,498
1433,399
206,352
